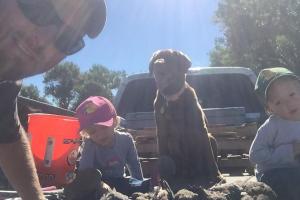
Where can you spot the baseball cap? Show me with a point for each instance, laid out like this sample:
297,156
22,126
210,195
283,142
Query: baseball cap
95,110
90,15
266,77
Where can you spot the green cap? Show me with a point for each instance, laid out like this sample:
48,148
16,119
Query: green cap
266,77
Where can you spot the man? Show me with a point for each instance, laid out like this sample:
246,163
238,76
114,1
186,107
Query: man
34,36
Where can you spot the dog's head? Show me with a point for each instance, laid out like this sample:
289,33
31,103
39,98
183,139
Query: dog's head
169,68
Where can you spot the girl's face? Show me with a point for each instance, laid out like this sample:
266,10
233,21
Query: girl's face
101,135
284,99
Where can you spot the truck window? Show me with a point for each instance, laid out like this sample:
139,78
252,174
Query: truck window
213,91
138,96
225,90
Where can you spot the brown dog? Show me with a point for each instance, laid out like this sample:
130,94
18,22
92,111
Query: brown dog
181,129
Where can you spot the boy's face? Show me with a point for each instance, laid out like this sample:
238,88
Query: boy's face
284,99
101,135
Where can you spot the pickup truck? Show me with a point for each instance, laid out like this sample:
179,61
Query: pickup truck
227,97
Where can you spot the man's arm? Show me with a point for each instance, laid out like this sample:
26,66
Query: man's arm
17,163
15,154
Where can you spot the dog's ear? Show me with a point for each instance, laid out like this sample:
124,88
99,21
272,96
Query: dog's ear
154,57
183,61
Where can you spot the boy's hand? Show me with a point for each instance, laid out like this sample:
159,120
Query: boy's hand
296,149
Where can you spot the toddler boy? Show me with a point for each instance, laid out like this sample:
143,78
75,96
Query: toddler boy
276,147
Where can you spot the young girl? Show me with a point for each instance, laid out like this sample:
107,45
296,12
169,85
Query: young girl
106,149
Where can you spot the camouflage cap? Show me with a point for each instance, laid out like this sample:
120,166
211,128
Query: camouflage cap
266,77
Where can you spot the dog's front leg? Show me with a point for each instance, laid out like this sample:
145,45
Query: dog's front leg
200,145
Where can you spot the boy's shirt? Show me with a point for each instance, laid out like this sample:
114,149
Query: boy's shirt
111,161
273,145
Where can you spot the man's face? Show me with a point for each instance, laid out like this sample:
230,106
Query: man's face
25,48
284,99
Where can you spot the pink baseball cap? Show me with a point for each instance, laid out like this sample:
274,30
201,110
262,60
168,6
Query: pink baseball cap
95,110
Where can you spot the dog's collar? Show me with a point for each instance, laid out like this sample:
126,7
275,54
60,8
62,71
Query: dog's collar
175,96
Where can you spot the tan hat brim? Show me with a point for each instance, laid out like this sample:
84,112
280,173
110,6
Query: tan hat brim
89,16
97,19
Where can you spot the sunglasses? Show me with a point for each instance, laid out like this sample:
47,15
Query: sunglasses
42,13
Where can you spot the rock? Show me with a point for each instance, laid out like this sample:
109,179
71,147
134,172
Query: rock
202,193
157,194
246,197
229,190
141,196
161,195
258,190
250,190
114,195
185,194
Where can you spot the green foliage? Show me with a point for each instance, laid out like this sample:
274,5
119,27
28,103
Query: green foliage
258,34
221,56
68,87
98,81
32,92
60,82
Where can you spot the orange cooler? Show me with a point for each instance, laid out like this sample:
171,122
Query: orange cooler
54,142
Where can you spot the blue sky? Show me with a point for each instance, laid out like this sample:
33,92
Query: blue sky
136,28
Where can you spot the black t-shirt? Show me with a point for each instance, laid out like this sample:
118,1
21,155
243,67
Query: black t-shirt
9,120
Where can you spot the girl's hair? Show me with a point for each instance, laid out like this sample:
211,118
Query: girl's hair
84,134
118,120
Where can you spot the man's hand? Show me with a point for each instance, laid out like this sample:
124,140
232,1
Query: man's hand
17,163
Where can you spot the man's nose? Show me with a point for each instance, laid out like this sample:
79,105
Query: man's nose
34,41
40,38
